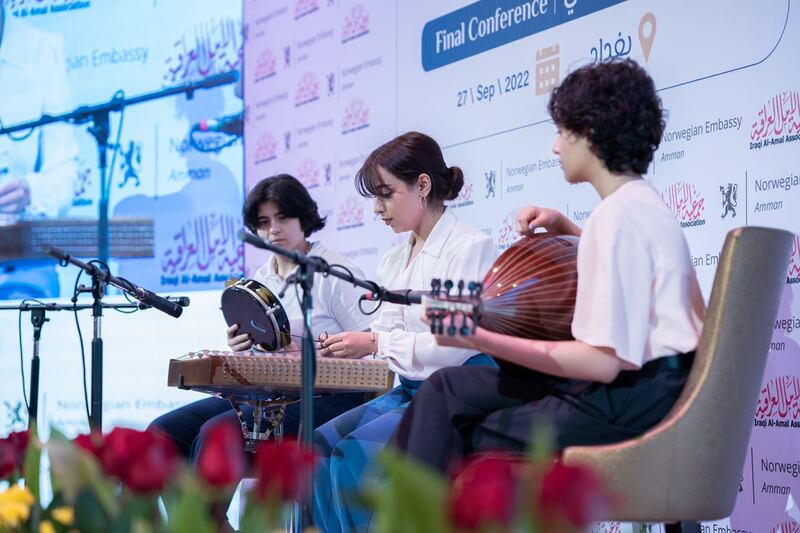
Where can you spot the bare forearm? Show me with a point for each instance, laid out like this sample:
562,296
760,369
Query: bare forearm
568,359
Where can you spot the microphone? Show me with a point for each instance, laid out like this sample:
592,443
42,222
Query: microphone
402,297
165,305
231,124
251,239
183,301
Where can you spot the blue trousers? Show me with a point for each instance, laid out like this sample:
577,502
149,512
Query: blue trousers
348,446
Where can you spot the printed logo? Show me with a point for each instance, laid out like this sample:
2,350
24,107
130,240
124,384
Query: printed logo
548,67
356,116
307,90
287,141
331,84
350,214
686,203
328,173
356,23
464,198
779,403
33,8
607,527
266,149
14,417
728,199
308,174
786,527
305,7
204,250
794,263
212,47
266,65
131,163
83,184
491,180
287,56
507,233
777,122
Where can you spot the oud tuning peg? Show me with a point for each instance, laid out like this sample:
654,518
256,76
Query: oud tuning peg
464,330
436,286
460,288
451,329
440,326
448,286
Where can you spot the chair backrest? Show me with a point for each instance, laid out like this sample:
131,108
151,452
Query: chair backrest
687,467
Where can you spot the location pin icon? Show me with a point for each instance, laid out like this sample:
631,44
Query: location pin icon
647,33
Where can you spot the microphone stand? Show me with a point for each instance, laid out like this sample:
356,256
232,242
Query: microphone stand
98,115
38,318
308,265
101,278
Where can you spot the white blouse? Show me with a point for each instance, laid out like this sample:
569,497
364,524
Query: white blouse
454,250
637,287
335,302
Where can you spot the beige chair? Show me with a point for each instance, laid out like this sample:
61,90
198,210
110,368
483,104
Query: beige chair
687,468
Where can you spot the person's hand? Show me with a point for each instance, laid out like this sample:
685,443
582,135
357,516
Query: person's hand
238,343
348,345
532,217
15,196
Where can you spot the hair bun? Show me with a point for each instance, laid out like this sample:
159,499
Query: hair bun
455,181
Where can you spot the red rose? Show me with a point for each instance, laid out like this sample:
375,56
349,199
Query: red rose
92,443
12,453
143,460
572,494
483,493
282,470
222,461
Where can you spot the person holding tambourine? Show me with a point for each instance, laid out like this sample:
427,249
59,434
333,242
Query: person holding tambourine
638,308
280,210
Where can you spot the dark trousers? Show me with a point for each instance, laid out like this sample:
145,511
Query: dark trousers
463,410
187,426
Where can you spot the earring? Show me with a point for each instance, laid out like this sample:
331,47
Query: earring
423,202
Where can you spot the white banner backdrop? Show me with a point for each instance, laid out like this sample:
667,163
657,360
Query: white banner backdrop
326,81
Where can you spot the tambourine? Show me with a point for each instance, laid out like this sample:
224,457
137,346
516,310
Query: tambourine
258,312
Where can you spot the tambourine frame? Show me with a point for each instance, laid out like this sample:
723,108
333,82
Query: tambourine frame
260,303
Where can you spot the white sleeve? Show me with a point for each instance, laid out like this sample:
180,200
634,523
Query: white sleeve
52,182
615,288
406,342
341,298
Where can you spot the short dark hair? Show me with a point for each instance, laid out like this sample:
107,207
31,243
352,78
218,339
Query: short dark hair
290,196
615,106
406,157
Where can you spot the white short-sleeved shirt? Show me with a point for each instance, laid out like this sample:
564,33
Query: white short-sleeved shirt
637,289
454,250
335,302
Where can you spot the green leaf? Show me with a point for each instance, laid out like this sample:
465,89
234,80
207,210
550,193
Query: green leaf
412,499
542,441
33,459
189,510
89,514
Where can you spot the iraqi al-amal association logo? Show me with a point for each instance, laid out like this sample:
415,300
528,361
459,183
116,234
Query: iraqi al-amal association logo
350,214
507,233
266,148
779,403
794,263
356,116
464,198
266,65
777,122
308,173
356,24
686,203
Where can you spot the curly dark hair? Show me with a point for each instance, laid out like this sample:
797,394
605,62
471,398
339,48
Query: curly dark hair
406,157
615,106
290,196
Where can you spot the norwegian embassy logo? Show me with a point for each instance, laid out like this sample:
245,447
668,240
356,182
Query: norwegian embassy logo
779,403
307,89
728,199
350,214
356,116
794,263
464,198
81,194
305,7
686,203
356,23
308,174
266,65
777,122
491,183
266,148
507,233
